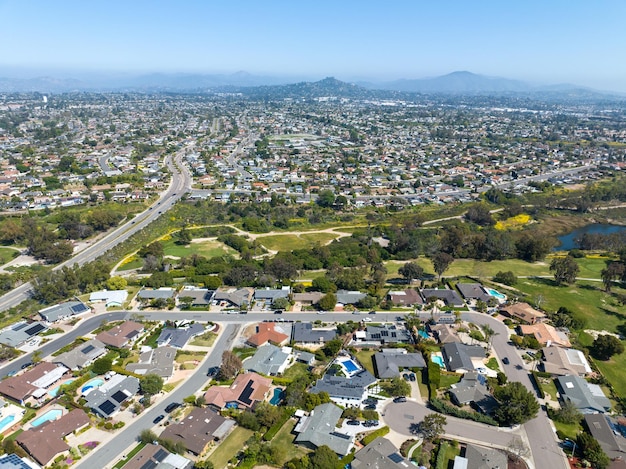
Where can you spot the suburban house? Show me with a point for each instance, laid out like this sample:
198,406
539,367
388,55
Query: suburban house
198,429
545,334
473,291
564,361
200,297
390,362
148,294
268,332
345,391
269,360
178,337
308,298
472,389
81,356
244,393
46,441
265,297
156,456
445,333
387,334
110,298
17,334
604,429
107,399
345,297
408,297
158,361
33,383
121,335
587,397
319,429
380,454
522,312
307,358
460,357
479,457
63,311
234,297
449,297
304,335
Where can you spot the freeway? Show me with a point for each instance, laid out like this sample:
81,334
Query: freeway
113,449
179,184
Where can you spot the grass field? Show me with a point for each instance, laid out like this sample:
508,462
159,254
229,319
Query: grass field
207,249
365,358
133,262
284,439
448,379
182,357
205,340
289,242
8,254
230,447
296,371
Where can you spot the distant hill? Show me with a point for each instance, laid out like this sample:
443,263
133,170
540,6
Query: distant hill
457,83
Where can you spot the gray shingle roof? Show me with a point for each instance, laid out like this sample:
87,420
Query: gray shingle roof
388,364
178,337
304,332
603,429
349,297
449,297
344,388
82,355
459,356
159,361
473,291
63,310
108,398
320,429
267,360
387,334
379,454
587,397
162,294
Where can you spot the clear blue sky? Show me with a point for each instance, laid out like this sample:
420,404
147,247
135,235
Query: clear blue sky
545,41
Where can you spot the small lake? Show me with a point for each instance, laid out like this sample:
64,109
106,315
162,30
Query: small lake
568,240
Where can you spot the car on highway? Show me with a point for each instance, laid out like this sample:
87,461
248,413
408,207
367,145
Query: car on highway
505,360
278,311
172,406
356,312
321,312
372,312
158,419
399,399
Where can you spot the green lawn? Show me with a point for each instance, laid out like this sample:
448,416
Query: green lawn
296,371
229,448
129,456
447,453
365,358
289,242
569,430
493,364
548,387
207,249
134,262
448,379
7,254
613,371
321,238
284,439
182,357
205,340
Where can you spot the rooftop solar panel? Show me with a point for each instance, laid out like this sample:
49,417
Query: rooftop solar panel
341,435
19,327
119,396
149,465
384,333
160,455
395,457
35,329
87,349
107,407
247,392
79,308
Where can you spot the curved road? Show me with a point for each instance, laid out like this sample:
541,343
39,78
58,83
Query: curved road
179,184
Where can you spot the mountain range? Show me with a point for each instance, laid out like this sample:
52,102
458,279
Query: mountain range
456,83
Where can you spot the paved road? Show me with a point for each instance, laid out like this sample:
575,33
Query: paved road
180,183
113,449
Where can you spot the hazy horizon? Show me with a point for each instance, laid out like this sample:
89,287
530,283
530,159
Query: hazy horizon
536,42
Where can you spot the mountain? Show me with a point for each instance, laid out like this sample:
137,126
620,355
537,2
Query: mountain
457,83
41,84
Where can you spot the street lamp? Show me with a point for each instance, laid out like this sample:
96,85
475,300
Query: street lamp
573,447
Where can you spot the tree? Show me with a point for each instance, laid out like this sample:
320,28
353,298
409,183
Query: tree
507,278
432,426
591,451
280,303
147,436
332,347
323,284
411,271
614,271
397,387
605,346
323,458
568,413
117,283
441,261
517,404
102,365
231,364
565,269
328,302
203,464
151,384
326,198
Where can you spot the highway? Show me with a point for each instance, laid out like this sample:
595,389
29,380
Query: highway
180,183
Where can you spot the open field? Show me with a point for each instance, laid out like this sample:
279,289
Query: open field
229,448
289,242
204,248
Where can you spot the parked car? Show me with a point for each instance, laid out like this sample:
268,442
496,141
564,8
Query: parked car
406,376
353,422
158,419
372,312
26,365
370,423
412,377
172,406
505,360
399,399
212,371
370,407
278,311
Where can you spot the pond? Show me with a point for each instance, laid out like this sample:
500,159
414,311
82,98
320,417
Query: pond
568,241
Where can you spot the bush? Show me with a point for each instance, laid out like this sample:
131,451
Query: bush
274,429
375,434
444,408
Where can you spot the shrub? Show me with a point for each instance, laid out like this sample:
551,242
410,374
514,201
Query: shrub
375,434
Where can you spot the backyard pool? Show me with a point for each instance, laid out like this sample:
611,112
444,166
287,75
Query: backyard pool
495,294
438,359
423,334
52,414
277,397
350,366
94,383
53,392
6,422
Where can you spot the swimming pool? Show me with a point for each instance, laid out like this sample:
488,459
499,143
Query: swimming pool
350,366
94,383
52,414
495,294
53,392
438,359
6,422
423,334
277,397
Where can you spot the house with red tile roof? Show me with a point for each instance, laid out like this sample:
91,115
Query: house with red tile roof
266,332
244,393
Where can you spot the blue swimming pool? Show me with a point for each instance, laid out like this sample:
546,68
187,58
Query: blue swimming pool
52,414
277,397
350,366
496,294
438,360
94,383
423,334
6,422
53,392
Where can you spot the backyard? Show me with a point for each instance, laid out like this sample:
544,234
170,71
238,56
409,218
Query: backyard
284,439
229,448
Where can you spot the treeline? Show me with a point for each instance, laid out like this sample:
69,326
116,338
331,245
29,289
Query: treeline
53,286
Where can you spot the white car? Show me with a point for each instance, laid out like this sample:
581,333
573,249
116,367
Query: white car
321,312
367,320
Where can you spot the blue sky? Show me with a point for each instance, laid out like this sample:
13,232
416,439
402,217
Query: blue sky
547,41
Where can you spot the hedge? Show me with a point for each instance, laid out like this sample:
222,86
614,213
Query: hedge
535,376
445,408
441,455
375,434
